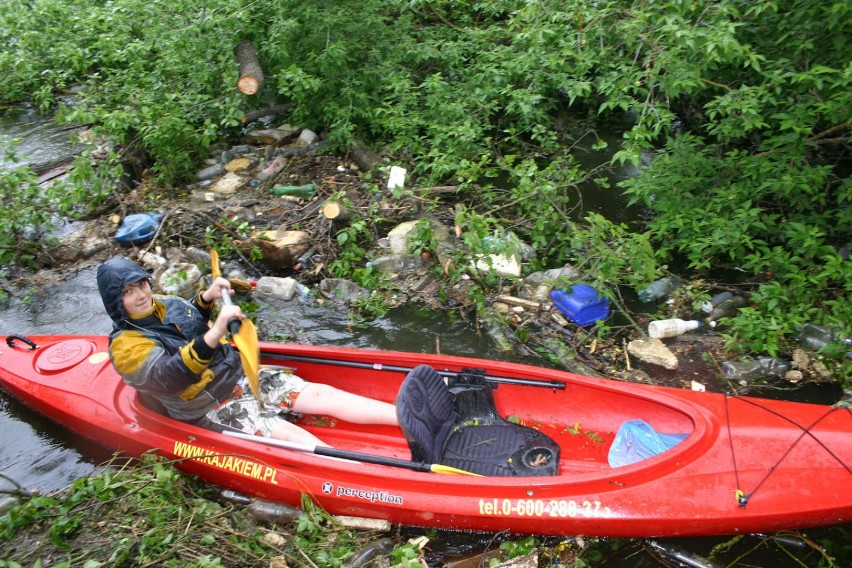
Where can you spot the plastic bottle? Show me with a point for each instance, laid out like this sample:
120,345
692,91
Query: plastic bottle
542,293
657,289
709,305
305,260
749,368
725,309
815,337
263,509
274,287
395,262
307,190
671,327
198,255
303,290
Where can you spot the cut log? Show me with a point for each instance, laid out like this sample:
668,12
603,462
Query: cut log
336,212
364,156
266,111
251,74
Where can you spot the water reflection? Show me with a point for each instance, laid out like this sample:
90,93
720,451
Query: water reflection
36,454
406,328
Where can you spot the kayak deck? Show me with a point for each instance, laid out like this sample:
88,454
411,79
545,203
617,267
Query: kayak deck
746,465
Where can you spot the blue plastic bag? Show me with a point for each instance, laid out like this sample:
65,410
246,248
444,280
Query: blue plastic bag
636,440
138,228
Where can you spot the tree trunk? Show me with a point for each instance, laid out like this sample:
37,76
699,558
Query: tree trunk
251,75
266,111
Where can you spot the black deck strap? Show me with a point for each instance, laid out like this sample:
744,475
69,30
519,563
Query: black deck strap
458,426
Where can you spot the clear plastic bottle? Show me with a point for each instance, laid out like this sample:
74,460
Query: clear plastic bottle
671,327
395,262
815,337
274,287
657,289
749,368
197,255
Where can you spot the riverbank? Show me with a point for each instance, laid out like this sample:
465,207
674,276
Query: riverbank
150,514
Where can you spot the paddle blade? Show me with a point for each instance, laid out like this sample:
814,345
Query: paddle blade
438,468
214,264
245,338
246,342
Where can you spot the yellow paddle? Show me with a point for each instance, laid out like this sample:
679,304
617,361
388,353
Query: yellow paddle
352,456
244,334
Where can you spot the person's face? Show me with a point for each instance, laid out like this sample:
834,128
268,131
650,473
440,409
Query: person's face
137,298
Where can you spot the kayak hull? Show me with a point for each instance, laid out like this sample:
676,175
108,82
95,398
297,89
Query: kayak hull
746,465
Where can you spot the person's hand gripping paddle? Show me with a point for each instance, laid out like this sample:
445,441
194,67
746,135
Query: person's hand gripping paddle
244,335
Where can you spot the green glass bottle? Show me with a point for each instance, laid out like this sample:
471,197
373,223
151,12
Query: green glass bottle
307,190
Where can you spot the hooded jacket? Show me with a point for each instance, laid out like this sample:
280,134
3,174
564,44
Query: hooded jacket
163,354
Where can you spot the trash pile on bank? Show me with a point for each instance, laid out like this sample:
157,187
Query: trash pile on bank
257,181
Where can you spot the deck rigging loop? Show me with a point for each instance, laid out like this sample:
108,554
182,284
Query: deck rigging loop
742,497
10,341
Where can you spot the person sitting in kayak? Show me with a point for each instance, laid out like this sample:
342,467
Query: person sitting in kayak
165,347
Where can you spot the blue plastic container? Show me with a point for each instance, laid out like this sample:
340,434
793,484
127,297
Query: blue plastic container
138,228
581,304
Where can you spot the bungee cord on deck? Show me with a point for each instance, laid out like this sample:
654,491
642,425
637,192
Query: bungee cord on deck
743,497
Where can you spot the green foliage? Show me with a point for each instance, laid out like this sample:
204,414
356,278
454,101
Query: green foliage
155,493
27,213
516,548
223,241
29,209
148,513
351,260
143,84
758,191
737,117
421,239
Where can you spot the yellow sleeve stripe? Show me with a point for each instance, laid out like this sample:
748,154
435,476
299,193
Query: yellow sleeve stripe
192,391
191,359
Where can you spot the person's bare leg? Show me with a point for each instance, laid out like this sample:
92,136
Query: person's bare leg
324,399
289,432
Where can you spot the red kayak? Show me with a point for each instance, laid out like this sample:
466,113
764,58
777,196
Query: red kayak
729,464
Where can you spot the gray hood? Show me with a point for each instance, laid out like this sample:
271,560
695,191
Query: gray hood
113,276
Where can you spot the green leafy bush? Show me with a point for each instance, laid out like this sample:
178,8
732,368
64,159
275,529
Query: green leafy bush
736,114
